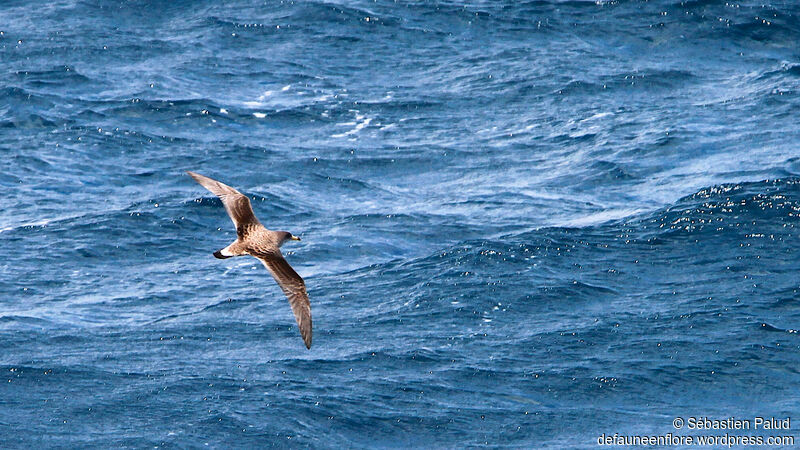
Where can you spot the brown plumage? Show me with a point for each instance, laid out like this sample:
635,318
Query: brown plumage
256,240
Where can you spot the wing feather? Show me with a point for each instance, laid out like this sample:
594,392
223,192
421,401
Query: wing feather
236,204
295,289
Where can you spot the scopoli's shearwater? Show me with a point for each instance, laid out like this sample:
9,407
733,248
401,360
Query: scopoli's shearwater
256,240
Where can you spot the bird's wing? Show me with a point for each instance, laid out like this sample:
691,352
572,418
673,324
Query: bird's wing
236,204
295,290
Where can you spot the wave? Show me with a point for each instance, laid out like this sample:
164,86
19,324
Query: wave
63,76
740,212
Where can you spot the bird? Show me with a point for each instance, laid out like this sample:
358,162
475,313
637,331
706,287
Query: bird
254,239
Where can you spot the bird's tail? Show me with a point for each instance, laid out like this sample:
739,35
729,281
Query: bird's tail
218,254
235,249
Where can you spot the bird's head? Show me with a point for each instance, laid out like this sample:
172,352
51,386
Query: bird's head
286,236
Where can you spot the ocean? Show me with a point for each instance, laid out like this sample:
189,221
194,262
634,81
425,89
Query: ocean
527,224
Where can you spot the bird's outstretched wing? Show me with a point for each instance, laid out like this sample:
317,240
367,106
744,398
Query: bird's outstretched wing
295,290
236,204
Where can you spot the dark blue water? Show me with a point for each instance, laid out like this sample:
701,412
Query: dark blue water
524,223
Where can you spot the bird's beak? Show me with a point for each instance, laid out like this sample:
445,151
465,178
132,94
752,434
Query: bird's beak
295,238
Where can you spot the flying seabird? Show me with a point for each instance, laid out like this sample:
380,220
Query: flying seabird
256,240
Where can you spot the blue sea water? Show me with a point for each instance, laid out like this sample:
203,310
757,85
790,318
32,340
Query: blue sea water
524,223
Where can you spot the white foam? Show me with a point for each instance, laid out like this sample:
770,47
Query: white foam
360,126
259,102
598,116
39,223
604,216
